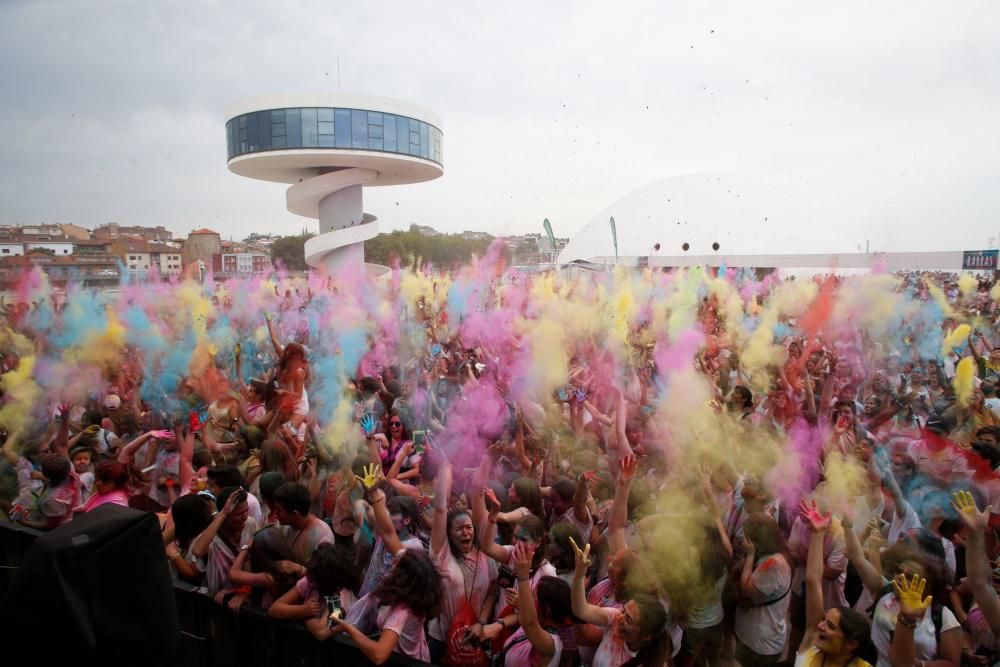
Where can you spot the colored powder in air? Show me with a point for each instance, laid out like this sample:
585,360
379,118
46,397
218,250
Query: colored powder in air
817,315
941,299
957,337
967,284
20,393
965,374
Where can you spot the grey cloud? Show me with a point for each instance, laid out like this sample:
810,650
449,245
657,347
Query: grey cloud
880,115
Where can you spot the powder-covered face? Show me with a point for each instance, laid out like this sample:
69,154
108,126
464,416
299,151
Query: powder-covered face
462,533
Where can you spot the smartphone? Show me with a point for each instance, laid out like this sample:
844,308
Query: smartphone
334,609
241,496
419,440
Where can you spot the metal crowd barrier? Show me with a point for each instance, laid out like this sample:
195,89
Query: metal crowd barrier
213,636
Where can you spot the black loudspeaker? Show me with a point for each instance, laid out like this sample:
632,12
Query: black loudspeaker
96,590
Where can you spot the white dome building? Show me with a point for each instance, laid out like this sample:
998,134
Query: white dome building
710,219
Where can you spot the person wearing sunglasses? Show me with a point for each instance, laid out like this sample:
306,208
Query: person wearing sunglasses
393,443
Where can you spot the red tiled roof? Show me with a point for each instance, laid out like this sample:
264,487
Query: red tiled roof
204,230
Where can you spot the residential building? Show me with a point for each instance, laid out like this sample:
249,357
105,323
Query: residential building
11,248
75,232
89,270
166,259
239,261
92,247
113,230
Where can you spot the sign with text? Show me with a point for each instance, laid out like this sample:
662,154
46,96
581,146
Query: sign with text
980,260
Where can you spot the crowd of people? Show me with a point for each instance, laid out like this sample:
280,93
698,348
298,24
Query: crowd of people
694,467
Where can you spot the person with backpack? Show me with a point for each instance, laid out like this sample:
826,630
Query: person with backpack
765,582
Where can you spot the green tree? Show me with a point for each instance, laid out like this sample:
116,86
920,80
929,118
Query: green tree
445,251
290,252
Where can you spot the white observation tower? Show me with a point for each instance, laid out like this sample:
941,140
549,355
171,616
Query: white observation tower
327,147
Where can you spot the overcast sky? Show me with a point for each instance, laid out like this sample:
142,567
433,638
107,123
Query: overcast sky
883,116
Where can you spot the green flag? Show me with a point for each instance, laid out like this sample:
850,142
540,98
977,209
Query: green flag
548,230
614,237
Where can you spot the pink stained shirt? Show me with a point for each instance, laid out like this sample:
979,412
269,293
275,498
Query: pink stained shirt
612,651
116,497
409,626
520,652
471,576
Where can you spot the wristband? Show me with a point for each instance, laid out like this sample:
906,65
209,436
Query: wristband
520,578
501,622
906,622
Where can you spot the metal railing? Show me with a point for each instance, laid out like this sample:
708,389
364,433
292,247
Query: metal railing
213,636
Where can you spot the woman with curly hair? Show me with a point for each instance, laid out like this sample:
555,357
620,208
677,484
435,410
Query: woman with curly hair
331,572
411,593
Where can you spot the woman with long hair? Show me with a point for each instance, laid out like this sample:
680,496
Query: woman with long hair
293,375
387,448
330,573
634,635
260,567
276,457
525,498
531,533
938,635
838,637
467,571
397,527
189,516
411,593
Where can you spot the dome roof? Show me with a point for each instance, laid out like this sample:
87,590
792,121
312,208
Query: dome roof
706,214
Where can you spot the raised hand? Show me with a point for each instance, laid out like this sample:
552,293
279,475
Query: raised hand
368,425
523,555
492,504
236,351
910,594
580,395
582,558
818,521
968,513
628,468
563,395
162,434
371,477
